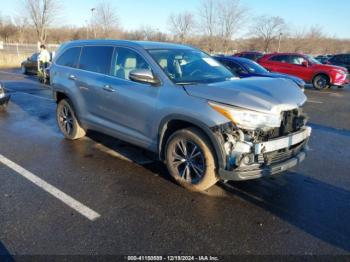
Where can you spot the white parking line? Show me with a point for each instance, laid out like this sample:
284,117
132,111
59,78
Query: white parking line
69,201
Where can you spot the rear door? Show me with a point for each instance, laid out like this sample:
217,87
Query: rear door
94,67
278,63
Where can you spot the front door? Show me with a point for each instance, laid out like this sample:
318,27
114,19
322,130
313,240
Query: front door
128,105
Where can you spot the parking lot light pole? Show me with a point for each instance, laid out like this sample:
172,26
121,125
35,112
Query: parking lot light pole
92,21
279,42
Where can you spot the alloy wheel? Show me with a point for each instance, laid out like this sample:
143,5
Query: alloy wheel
66,120
188,159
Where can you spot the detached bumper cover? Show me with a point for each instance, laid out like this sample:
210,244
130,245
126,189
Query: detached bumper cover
275,156
261,172
4,100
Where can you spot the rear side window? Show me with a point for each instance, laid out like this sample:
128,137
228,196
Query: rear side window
96,59
70,57
280,58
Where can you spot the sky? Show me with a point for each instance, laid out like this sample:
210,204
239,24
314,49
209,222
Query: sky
332,16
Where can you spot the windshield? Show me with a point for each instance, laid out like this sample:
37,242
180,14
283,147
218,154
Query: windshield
190,66
253,67
313,60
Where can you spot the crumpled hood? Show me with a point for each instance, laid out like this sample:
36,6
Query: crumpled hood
267,95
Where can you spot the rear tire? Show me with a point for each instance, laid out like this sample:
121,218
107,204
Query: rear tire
321,82
190,159
67,121
341,86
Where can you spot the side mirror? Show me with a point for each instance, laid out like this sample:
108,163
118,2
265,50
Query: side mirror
305,64
144,76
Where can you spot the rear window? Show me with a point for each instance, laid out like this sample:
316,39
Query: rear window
70,57
96,59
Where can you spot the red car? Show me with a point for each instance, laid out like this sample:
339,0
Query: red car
306,68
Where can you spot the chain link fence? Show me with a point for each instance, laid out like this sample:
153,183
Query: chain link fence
23,49
12,54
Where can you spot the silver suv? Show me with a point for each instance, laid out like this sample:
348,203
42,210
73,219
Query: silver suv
202,121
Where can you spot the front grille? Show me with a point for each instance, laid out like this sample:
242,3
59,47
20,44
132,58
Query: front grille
292,121
283,154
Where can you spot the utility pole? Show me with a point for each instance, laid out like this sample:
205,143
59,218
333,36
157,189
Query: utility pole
279,41
92,20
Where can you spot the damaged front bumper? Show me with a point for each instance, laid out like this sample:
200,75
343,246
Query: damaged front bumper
255,160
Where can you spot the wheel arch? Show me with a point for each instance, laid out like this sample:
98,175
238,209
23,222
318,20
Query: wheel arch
171,124
59,95
322,73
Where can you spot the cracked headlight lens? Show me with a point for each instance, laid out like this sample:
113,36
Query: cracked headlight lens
247,119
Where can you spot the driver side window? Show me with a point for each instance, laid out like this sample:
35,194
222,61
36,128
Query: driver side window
297,60
126,60
235,68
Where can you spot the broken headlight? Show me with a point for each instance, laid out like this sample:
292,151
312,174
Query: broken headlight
247,119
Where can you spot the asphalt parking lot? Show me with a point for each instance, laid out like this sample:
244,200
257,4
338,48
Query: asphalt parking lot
100,196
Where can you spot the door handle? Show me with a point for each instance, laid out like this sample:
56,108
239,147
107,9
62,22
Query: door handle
72,77
108,88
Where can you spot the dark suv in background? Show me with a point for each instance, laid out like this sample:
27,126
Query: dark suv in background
252,55
340,60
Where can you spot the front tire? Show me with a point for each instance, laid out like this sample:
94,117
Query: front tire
321,82
67,121
190,159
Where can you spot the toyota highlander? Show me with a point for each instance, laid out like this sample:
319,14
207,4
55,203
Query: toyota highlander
177,101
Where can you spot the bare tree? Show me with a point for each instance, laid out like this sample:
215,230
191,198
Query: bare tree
181,25
231,16
268,29
106,19
7,29
42,14
208,20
